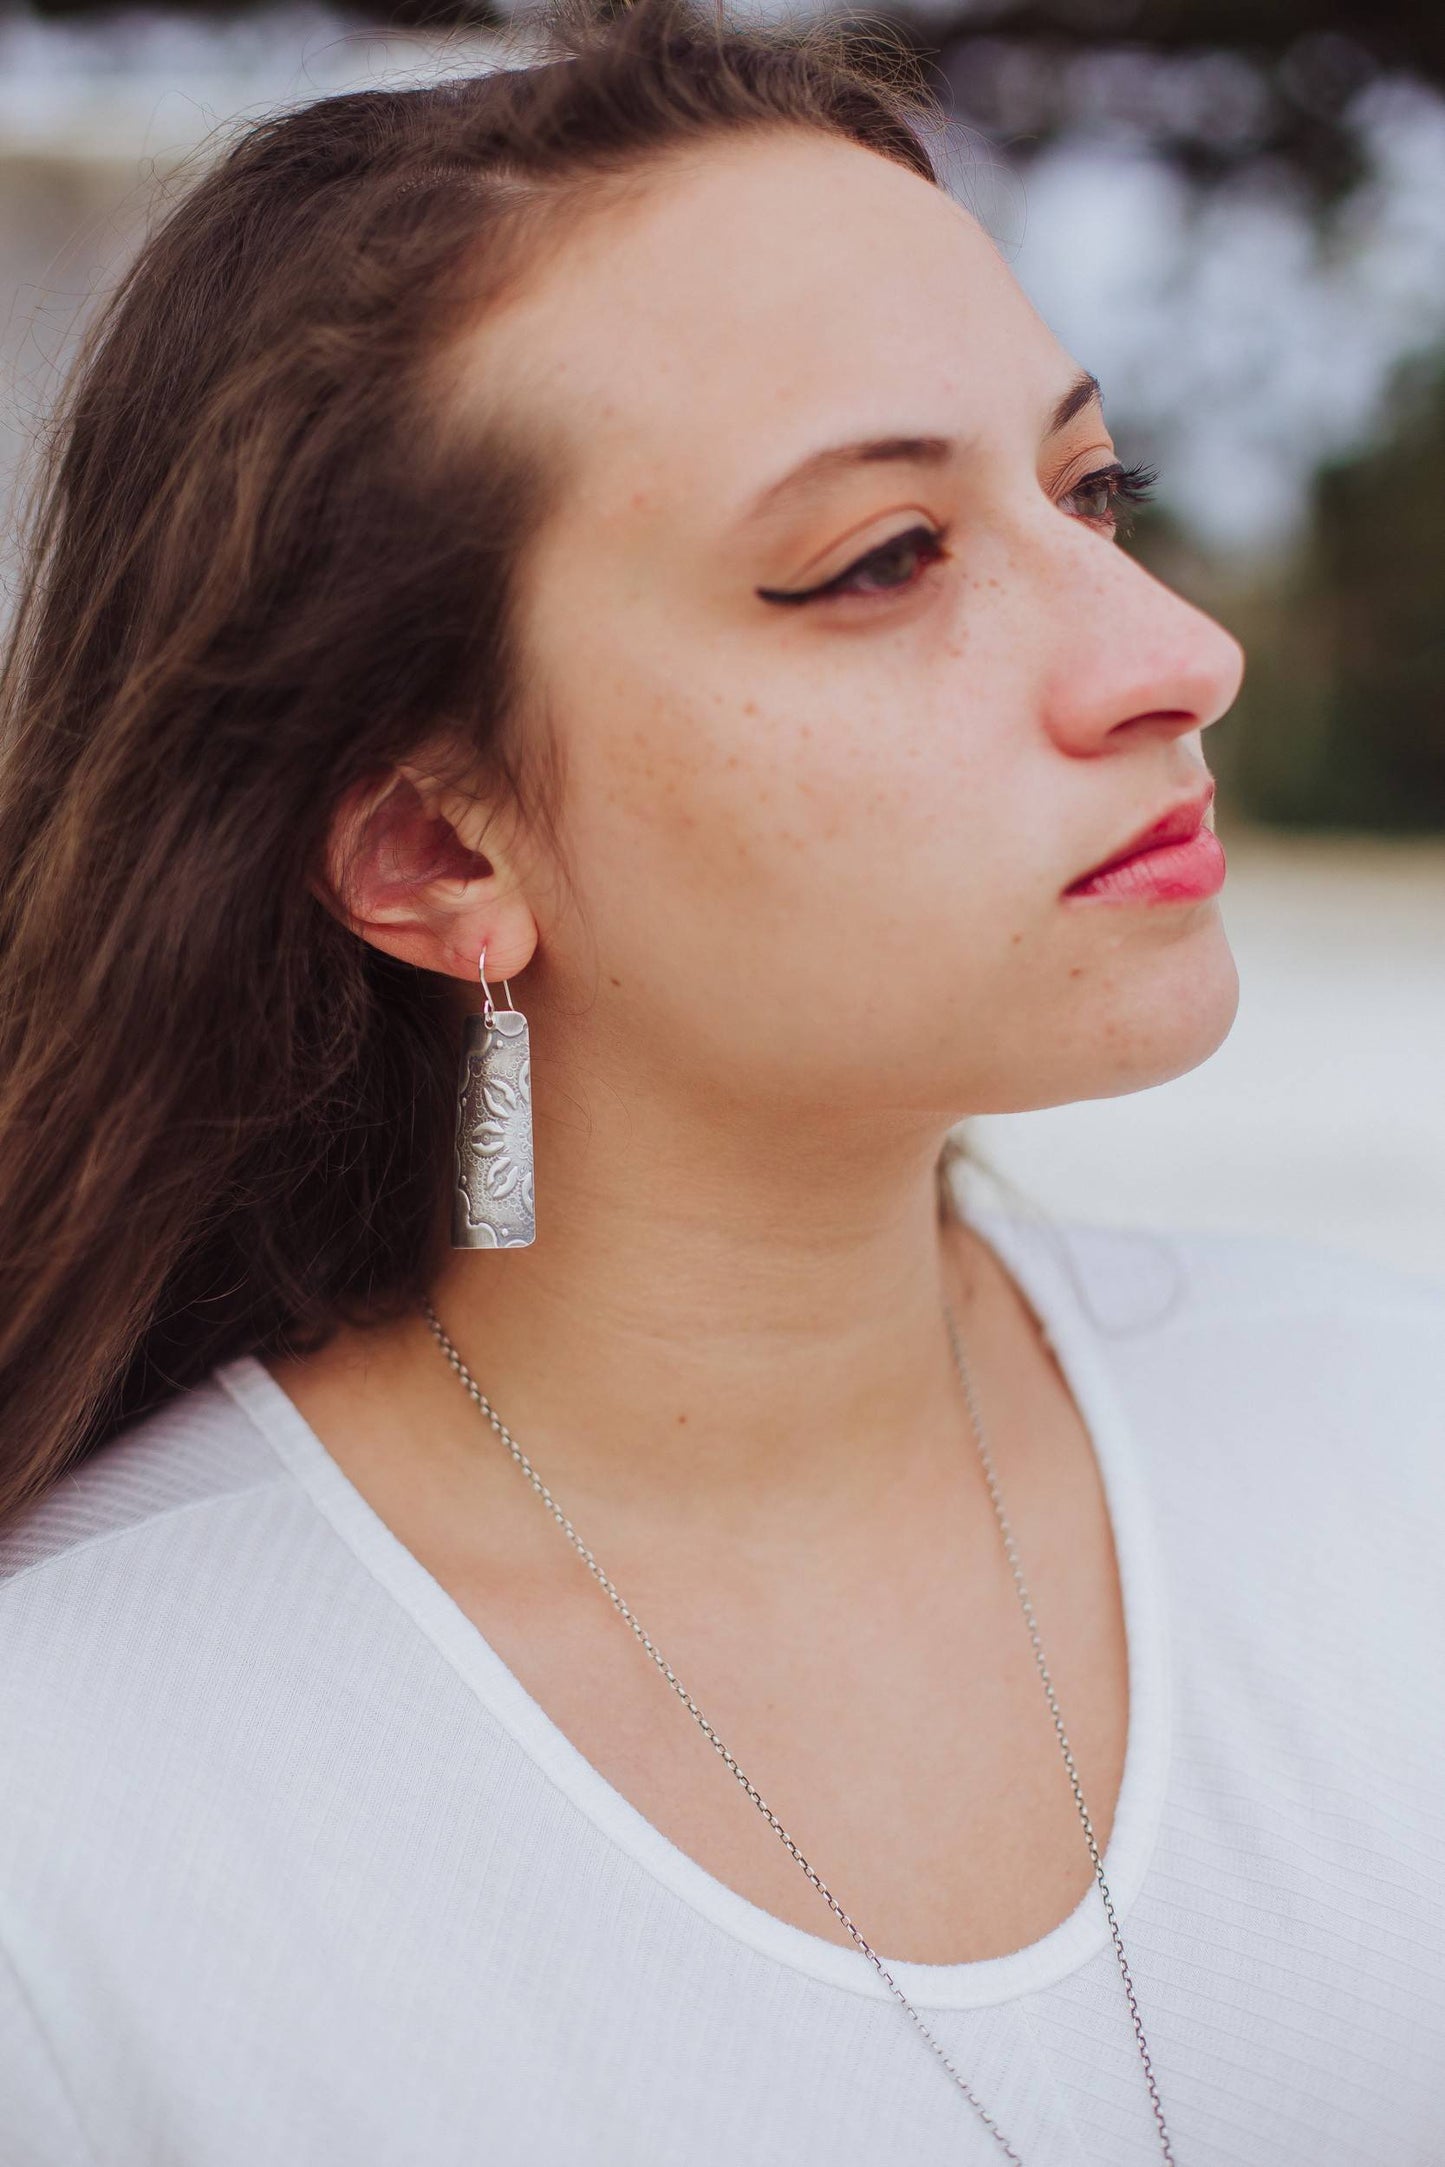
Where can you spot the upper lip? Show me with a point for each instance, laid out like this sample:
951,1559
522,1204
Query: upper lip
1176,825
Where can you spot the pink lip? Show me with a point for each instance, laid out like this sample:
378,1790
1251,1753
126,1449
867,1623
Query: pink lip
1169,873
1173,859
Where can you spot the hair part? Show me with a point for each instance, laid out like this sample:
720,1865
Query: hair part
253,583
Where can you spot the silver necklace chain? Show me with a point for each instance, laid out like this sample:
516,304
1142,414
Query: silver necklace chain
729,1761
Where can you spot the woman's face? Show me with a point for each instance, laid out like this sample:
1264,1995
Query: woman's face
822,846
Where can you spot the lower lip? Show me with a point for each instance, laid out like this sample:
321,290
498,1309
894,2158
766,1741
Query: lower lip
1173,873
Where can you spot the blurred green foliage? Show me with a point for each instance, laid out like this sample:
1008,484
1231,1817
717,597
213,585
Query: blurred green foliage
1341,719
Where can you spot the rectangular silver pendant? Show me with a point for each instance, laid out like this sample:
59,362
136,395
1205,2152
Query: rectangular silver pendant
492,1201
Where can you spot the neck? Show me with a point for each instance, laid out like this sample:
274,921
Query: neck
721,1313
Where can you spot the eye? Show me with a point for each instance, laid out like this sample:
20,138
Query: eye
1118,485
893,567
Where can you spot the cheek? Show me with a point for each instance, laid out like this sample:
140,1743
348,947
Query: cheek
837,817
733,789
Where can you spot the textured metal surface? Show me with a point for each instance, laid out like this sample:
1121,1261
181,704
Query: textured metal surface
492,1201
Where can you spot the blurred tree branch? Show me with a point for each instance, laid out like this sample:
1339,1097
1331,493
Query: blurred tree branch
1211,84
1394,33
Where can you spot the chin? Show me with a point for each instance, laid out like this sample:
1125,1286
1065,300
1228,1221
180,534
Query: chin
1171,1022
1140,1022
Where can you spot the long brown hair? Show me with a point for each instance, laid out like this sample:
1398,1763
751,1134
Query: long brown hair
253,583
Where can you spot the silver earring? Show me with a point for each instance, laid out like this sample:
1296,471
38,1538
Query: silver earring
492,1200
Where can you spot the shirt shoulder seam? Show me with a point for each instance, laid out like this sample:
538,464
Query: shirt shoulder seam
112,1535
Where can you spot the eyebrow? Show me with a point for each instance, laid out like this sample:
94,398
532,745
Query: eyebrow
919,451
1081,393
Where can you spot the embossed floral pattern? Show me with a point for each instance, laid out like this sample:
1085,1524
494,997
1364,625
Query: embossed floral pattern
495,1205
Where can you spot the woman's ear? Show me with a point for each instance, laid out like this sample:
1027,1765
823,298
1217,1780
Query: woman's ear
405,870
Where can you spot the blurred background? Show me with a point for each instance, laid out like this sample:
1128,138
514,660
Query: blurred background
1235,215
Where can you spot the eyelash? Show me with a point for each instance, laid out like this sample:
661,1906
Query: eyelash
1129,485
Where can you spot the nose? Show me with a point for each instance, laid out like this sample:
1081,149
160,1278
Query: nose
1128,658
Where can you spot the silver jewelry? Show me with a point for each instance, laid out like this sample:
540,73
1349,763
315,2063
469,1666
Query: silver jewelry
492,1196
729,1762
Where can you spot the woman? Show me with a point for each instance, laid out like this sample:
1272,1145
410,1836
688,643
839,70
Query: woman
615,535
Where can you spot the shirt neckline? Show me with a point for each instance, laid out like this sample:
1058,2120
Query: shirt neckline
988,1981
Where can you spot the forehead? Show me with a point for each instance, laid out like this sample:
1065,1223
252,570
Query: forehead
755,298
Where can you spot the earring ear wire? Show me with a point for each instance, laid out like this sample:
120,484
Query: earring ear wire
493,1202
488,1010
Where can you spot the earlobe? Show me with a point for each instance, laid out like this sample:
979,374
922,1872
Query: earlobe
399,874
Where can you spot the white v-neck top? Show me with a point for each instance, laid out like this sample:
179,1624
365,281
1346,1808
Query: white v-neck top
294,1873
